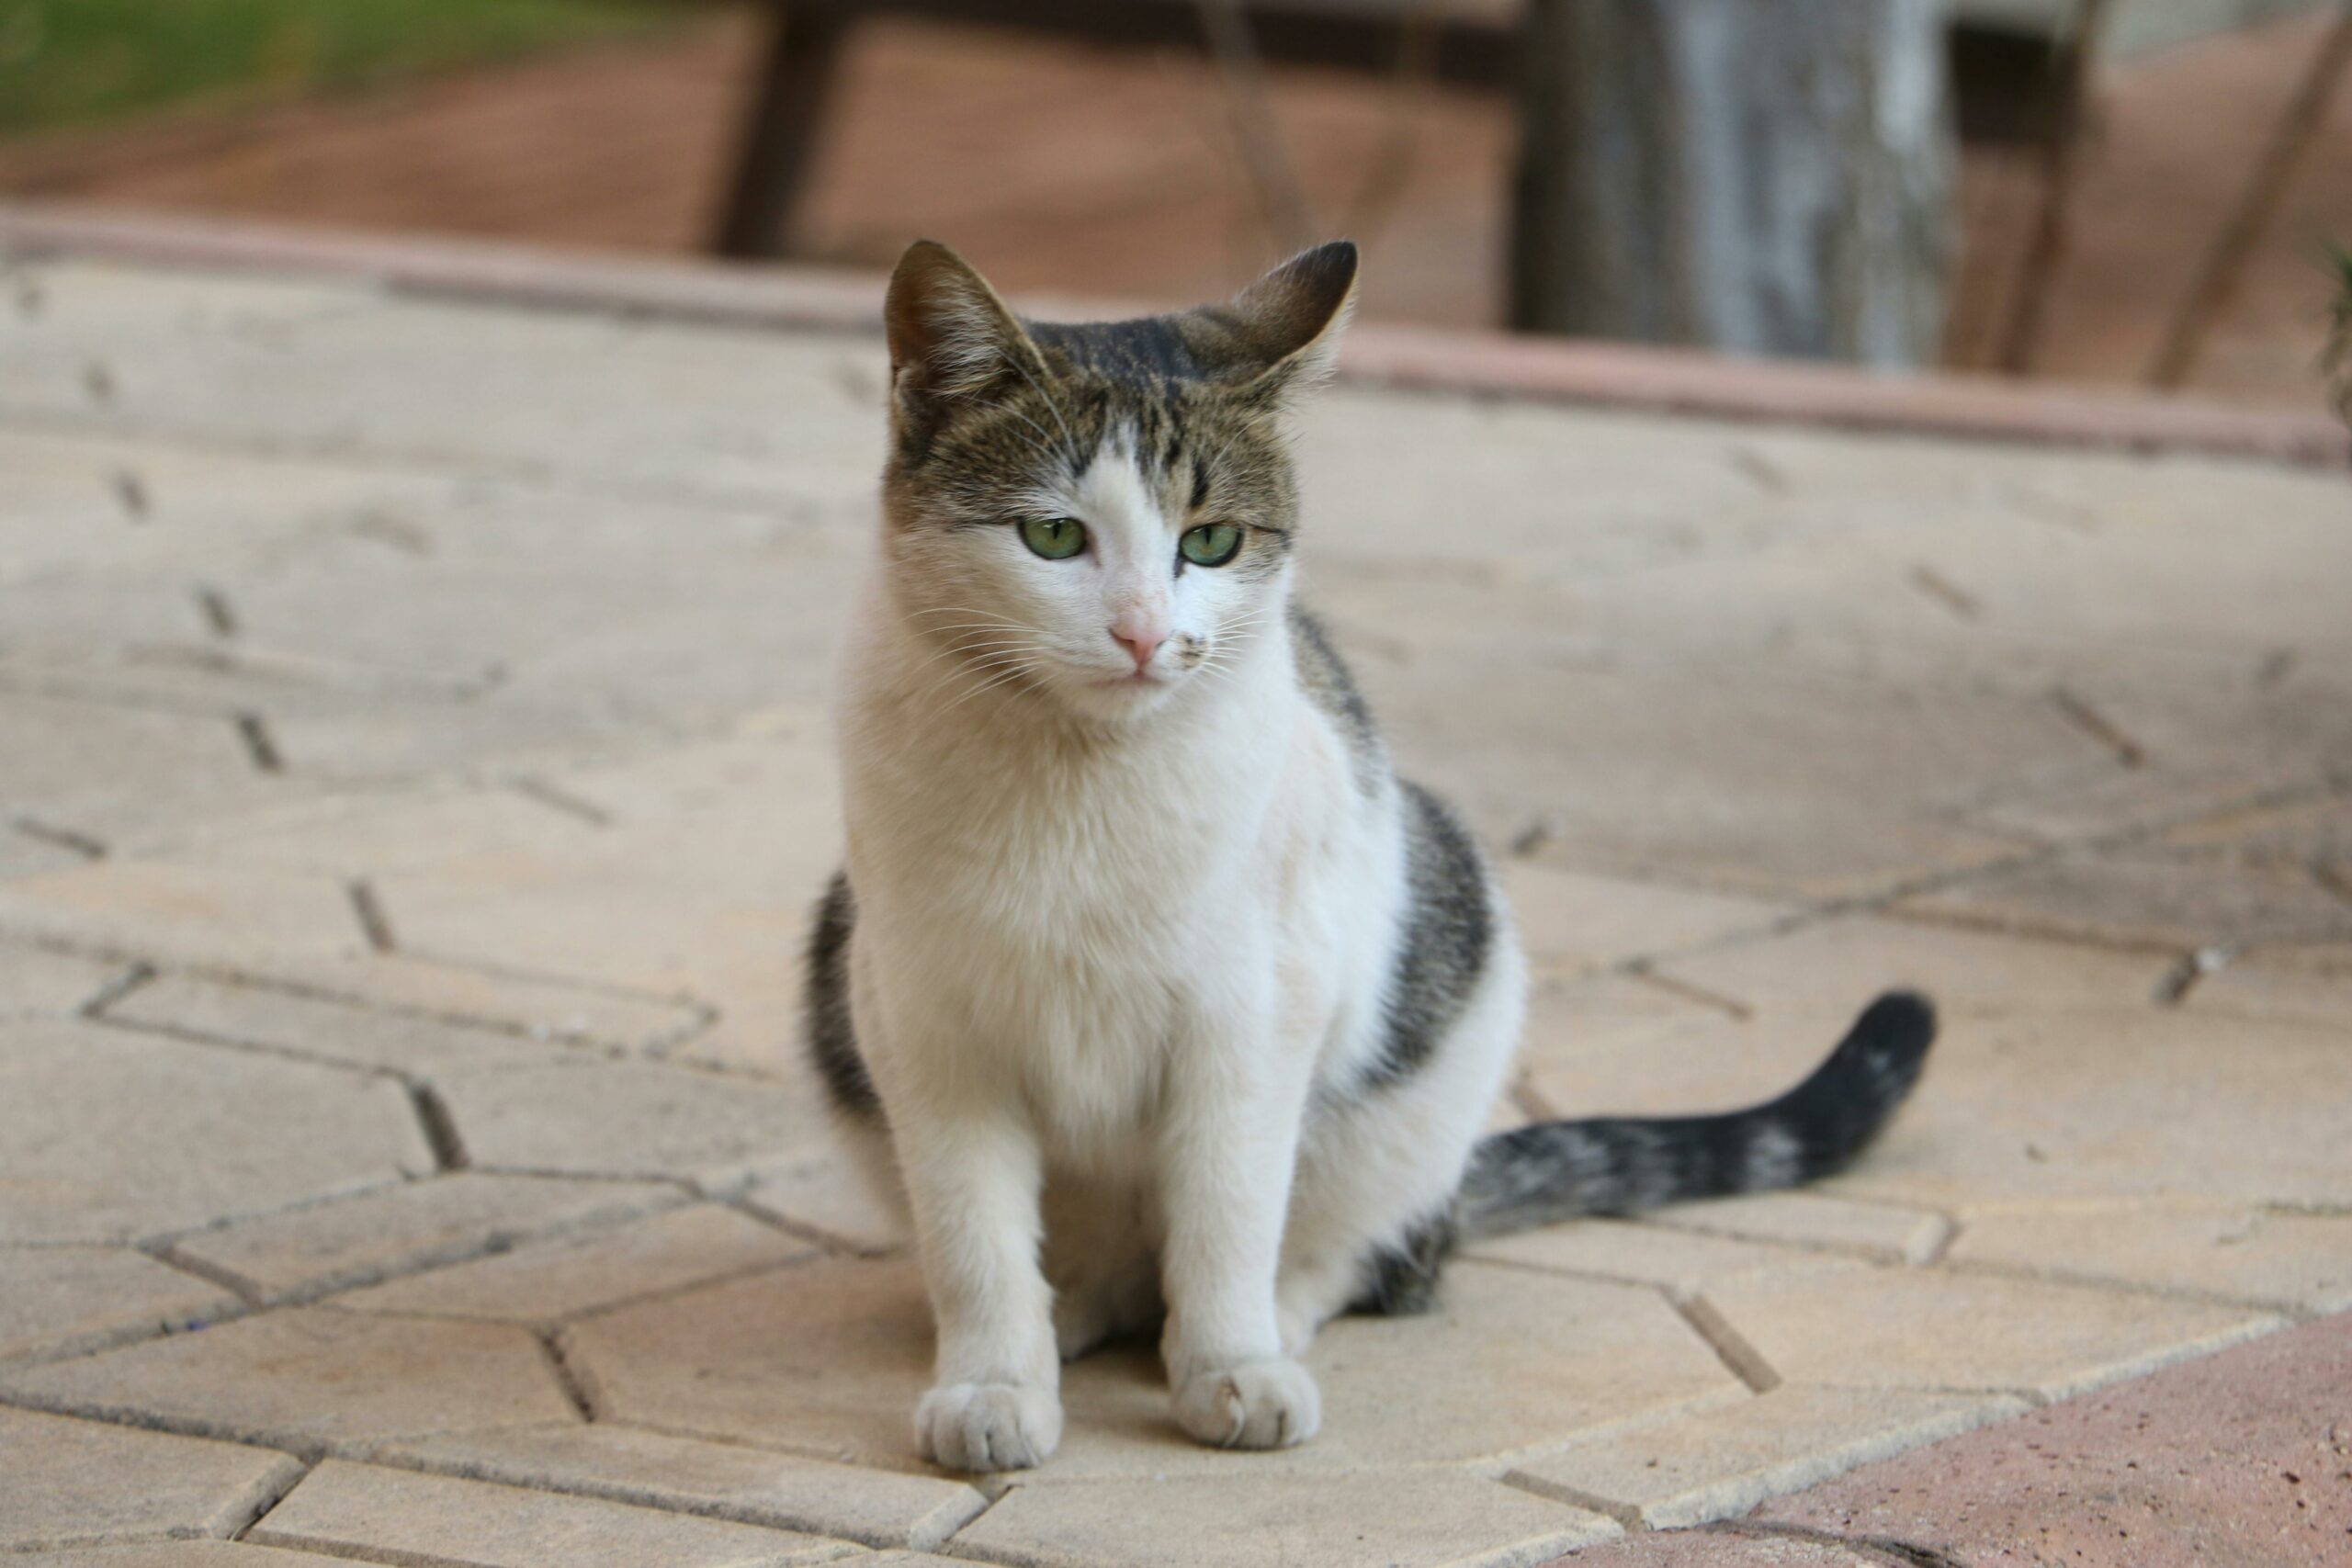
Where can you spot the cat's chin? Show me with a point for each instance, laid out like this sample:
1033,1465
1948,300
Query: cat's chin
1120,699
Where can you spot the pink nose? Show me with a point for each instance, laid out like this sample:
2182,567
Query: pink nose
1141,644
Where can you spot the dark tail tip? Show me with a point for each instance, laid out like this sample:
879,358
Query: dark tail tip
1850,1097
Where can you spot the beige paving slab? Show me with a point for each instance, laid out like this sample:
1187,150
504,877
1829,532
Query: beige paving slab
565,1277
1421,1518
828,1359
758,1486
309,1379
1719,1463
2150,896
824,1195
202,915
356,1241
73,1482
1938,1329
34,979
178,1554
327,1030
1841,963
427,1521
630,1119
1888,1230
192,1135
2272,1258
1645,1254
57,1299
2311,982
1571,922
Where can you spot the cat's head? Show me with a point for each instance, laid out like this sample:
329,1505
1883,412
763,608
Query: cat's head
1097,516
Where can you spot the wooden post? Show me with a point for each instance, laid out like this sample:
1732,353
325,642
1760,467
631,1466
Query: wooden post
796,79
1760,176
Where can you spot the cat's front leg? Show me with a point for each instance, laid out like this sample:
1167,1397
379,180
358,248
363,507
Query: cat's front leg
1226,1148
972,1177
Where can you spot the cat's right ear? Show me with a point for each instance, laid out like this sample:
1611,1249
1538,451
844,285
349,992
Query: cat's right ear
950,335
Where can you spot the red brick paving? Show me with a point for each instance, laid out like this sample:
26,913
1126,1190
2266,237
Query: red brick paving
2242,1460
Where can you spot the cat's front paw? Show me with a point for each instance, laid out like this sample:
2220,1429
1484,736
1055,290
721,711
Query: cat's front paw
985,1427
1270,1403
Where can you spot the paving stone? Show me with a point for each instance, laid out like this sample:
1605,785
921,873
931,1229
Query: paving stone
201,915
1812,1219
1654,755
566,1277
2149,895
71,1482
2272,1258
120,775
326,1030
35,980
359,1240
57,1299
757,1486
537,1007
824,1195
1938,1329
2233,1461
2313,983
1720,1461
194,1133
1569,922
629,1119
310,1379
1265,1521
1837,965
427,1521
829,1357
178,1554
1645,1254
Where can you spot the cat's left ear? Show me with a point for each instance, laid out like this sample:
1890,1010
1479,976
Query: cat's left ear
1290,320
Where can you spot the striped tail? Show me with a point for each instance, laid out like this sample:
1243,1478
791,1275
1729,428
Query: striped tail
1557,1171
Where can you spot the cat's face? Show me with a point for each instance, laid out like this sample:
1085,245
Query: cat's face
1097,516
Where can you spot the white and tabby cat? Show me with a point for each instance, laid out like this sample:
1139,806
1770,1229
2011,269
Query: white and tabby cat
1150,985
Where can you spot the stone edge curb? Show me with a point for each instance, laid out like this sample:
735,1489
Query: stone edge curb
1477,363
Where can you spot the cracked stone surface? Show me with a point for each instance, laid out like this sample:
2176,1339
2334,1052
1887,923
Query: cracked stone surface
418,768
78,1482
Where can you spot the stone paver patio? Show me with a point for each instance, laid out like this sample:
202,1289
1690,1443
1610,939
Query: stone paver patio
415,770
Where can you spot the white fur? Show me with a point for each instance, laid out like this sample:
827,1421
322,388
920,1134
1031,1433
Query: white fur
1120,950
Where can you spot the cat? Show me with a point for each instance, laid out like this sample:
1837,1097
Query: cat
1152,991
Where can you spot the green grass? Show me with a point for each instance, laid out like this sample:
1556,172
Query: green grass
73,62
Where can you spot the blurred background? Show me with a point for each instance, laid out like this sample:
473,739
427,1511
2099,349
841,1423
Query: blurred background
2144,192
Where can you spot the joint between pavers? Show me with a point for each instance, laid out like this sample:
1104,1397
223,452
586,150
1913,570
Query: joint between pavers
555,1344
137,977
1629,1515
1739,1358
272,1490
88,846
309,1450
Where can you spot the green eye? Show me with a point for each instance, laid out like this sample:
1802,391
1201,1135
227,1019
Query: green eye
1056,538
1211,543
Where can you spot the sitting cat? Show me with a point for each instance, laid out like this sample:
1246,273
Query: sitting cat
1150,985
